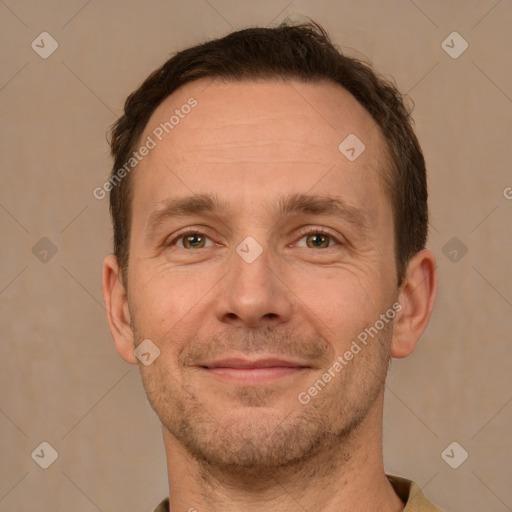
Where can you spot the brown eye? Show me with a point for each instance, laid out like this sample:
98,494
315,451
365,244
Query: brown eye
317,240
193,241
190,240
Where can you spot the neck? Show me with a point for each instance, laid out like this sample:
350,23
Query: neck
345,474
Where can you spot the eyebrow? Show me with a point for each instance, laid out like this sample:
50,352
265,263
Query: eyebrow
285,205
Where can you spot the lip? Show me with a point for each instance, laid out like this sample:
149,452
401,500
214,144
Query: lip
241,363
247,371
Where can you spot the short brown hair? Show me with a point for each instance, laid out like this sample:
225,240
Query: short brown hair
302,52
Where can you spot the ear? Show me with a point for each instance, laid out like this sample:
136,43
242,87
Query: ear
116,303
417,296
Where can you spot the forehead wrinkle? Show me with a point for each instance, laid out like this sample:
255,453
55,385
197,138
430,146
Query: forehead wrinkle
183,207
293,203
319,205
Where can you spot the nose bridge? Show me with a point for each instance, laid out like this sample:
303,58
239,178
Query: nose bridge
253,293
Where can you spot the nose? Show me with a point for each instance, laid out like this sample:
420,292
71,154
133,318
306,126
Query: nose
253,294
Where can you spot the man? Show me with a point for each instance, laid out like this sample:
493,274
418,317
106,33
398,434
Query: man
269,205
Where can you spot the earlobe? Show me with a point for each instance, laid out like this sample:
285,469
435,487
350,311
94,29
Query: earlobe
116,304
417,296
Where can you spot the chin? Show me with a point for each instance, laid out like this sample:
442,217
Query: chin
253,438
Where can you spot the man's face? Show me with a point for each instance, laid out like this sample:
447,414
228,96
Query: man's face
211,301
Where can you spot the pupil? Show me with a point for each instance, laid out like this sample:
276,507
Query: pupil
317,238
192,239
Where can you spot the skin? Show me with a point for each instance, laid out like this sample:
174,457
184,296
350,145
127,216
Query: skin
253,446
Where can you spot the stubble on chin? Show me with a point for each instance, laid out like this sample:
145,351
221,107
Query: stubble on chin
260,442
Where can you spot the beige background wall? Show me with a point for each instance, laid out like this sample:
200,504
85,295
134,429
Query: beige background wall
62,381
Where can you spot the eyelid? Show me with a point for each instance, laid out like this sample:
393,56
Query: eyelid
171,241
302,232
324,231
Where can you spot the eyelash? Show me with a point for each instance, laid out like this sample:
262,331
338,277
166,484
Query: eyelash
303,233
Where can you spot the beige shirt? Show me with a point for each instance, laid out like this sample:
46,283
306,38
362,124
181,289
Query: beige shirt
409,492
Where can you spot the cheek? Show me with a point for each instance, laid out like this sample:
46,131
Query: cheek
339,305
165,301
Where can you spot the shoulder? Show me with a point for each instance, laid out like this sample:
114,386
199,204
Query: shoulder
163,506
412,495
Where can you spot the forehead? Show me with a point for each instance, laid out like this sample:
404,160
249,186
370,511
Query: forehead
251,139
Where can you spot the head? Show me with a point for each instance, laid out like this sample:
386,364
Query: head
248,229
302,53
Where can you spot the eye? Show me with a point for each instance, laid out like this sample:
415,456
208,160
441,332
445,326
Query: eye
191,240
318,238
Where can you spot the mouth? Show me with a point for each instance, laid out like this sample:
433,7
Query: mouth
246,371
